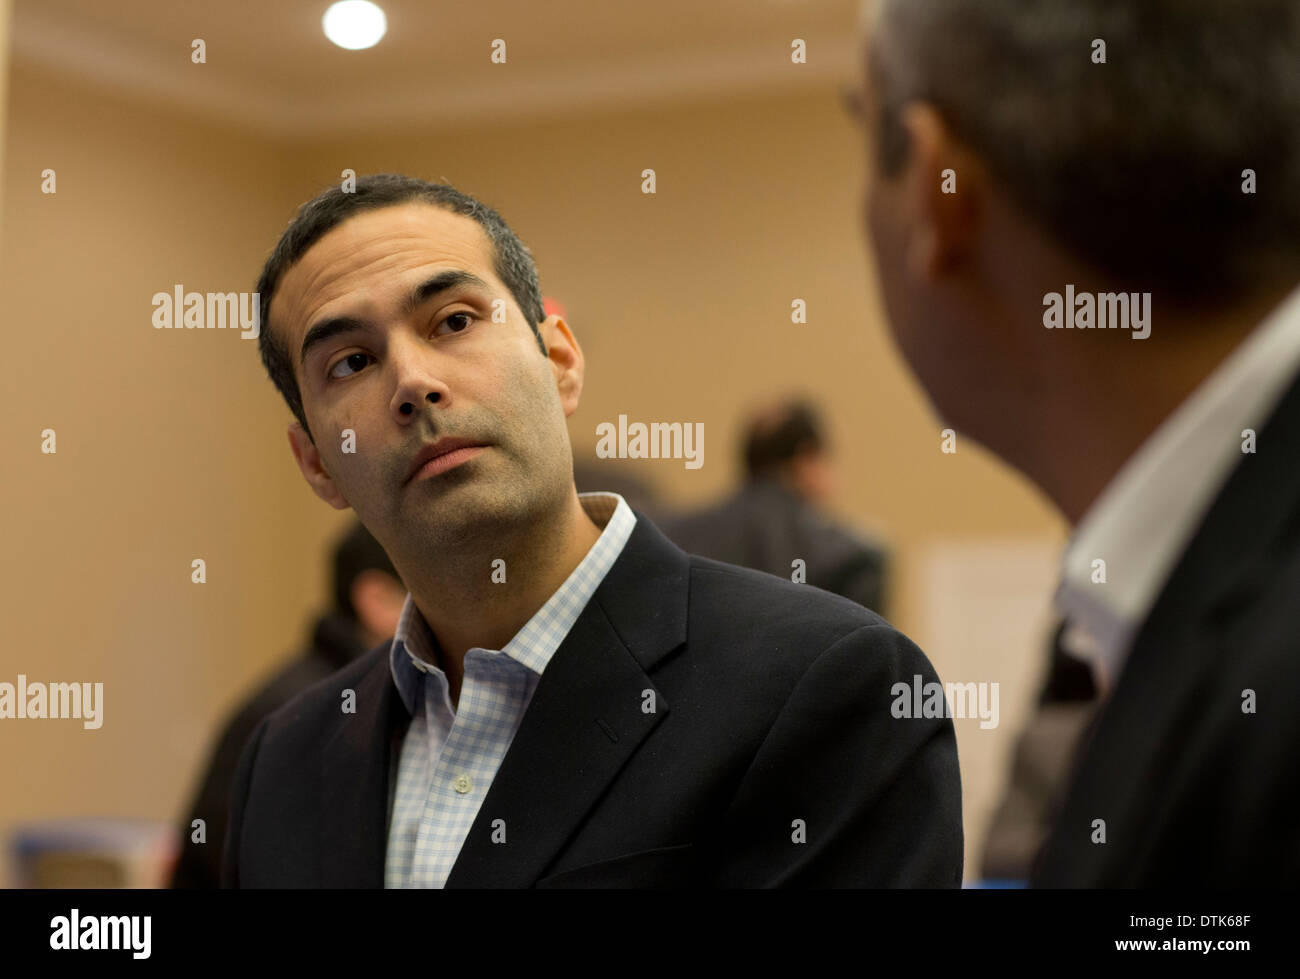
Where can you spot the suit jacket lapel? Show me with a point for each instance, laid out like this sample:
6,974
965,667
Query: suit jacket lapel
354,774
1157,706
586,717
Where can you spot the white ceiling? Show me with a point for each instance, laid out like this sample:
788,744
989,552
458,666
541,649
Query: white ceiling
269,66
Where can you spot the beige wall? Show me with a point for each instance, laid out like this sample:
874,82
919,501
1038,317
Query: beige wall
166,448
171,445
6,12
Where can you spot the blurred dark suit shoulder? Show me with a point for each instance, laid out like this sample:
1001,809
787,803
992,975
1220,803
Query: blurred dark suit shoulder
767,527
333,645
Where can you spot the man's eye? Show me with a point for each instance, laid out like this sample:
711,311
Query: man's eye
455,316
357,360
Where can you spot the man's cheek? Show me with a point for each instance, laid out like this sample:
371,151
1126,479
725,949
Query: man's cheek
887,248
880,238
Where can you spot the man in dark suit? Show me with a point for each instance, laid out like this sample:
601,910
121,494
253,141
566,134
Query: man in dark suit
368,598
568,699
775,520
1037,172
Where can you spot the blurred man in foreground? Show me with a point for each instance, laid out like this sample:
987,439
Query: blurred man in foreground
1085,216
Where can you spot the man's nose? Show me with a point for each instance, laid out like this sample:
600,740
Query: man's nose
420,380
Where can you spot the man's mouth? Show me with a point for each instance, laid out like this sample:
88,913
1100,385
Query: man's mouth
446,453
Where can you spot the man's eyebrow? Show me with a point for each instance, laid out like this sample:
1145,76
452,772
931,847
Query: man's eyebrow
328,328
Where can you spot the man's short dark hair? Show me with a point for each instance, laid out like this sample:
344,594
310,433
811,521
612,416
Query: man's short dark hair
1136,164
776,436
512,260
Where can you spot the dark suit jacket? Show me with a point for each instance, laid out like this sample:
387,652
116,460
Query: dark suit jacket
1040,766
334,643
772,704
765,526
1195,792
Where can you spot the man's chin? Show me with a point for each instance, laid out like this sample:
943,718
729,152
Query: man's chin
462,512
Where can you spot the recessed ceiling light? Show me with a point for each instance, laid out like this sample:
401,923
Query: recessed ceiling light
354,24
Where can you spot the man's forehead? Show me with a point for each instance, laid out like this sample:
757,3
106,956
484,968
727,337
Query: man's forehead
375,251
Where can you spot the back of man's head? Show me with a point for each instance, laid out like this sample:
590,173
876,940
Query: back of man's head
777,435
1158,140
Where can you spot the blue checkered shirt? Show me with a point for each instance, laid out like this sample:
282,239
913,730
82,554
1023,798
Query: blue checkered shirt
450,756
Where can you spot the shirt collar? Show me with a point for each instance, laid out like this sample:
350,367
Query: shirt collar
414,649
1145,517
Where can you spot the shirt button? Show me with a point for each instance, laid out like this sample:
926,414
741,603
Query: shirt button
461,784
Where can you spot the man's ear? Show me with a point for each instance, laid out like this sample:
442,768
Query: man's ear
566,359
944,184
313,470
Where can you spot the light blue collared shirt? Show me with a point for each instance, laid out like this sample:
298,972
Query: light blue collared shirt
449,757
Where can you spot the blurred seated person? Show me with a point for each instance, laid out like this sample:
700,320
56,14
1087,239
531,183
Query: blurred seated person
776,517
368,597
609,476
592,475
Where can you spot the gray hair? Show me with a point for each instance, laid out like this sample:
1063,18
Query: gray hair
1135,165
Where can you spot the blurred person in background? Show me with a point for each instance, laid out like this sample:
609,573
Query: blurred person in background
1142,159
368,598
608,476
594,475
777,516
